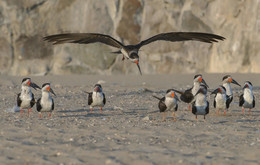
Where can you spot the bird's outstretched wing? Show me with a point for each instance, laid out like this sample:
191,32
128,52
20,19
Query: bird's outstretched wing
182,36
83,38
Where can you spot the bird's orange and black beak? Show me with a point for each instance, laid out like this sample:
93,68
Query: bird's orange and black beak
137,63
33,85
203,81
234,82
50,90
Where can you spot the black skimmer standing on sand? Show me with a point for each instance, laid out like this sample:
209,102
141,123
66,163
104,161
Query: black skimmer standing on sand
25,99
188,95
96,98
247,99
168,103
46,103
220,99
226,81
201,106
130,51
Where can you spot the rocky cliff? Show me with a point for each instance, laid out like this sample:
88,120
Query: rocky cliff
24,23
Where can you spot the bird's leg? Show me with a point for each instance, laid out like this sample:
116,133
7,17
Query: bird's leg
91,110
163,116
40,115
101,109
218,112
204,117
49,115
243,110
28,112
196,118
173,114
224,112
21,112
123,58
249,111
190,107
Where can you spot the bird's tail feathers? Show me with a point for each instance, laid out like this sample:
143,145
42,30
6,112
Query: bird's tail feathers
157,97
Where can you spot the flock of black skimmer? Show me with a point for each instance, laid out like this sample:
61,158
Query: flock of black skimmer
196,96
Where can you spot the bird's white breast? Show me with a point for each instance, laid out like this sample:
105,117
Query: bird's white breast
201,100
26,97
46,102
97,99
221,101
170,103
248,98
201,104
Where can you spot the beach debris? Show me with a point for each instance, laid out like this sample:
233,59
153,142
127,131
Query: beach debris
101,82
144,90
13,109
118,108
147,118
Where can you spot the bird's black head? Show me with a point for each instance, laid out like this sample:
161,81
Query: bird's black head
221,89
249,83
98,85
97,88
46,87
197,75
225,77
25,79
134,56
43,85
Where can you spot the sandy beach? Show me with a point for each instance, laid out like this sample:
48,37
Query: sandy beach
130,129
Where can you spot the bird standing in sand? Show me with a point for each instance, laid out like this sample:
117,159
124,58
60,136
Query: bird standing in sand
25,99
226,81
96,98
201,106
188,95
130,51
220,99
247,99
46,102
168,103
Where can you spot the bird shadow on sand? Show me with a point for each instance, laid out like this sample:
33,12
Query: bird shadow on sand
246,111
93,114
221,122
247,121
72,111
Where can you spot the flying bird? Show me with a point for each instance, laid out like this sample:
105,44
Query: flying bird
130,51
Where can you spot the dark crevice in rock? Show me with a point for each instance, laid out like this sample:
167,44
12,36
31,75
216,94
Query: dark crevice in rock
12,46
246,59
35,6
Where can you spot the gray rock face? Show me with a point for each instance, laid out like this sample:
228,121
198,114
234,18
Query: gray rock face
24,23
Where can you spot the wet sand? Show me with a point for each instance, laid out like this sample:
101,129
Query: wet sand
130,129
